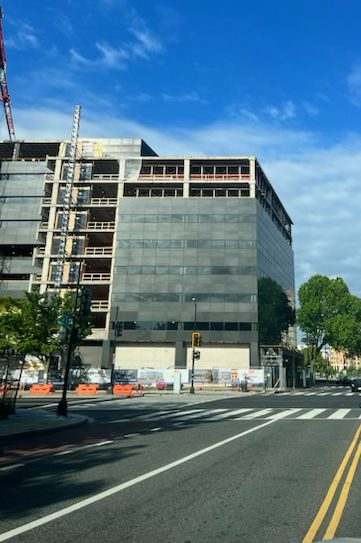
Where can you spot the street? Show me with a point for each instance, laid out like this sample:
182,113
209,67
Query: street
189,469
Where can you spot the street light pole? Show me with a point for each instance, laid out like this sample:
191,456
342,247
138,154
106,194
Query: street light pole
191,390
62,409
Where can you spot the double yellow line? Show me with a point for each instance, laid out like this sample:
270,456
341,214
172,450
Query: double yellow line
340,506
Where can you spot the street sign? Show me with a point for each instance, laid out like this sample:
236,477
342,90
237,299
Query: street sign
271,358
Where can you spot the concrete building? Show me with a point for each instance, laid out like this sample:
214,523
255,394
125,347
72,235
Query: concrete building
162,242
340,361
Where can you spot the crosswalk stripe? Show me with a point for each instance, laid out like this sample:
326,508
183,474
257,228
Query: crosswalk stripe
230,414
337,394
284,414
204,414
255,415
339,414
311,414
350,394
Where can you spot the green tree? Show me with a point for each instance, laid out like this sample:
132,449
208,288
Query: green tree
33,324
275,314
30,324
346,328
325,305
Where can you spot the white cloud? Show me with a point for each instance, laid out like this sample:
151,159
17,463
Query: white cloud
318,184
354,85
144,45
282,113
310,109
24,37
187,97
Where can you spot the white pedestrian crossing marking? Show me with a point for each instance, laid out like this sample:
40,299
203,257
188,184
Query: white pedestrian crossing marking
255,415
203,414
339,414
230,414
284,414
311,414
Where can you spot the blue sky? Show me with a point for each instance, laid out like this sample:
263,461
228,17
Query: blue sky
280,80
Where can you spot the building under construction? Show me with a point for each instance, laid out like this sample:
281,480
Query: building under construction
166,244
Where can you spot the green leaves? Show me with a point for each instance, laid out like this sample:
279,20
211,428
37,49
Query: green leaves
275,315
329,315
32,324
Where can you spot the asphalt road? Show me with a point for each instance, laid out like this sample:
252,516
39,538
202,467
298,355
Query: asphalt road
248,469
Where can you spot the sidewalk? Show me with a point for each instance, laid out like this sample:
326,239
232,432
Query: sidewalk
36,421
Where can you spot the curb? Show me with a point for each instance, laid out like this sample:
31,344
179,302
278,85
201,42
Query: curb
41,431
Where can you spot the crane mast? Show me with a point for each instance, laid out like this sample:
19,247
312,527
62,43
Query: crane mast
4,84
68,199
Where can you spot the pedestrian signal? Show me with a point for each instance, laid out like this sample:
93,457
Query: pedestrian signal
196,339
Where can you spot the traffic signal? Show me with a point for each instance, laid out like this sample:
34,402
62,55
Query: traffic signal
196,339
117,326
85,302
197,355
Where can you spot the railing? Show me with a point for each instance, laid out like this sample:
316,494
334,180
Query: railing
36,277
46,201
43,226
220,177
96,277
49,177
105,177
39,251
100,225
100,305
99,251
103,202
161,176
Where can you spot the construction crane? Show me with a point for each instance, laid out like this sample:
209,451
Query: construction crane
3,83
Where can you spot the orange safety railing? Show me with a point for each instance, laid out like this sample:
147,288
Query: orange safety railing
41,390
128,390
87,389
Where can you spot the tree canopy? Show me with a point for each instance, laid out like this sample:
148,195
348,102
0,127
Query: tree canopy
329,315
275,314
32,325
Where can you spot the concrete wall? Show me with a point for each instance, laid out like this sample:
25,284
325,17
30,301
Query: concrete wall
225,356
140,356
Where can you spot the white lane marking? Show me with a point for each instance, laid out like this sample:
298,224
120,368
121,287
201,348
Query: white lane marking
349,394
337,394
311,393
311,414
284,414
339,414
255,415
155,429
324,393
155,414
131,435
118,420
132,482
78,449
230,414
13,466
298,393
